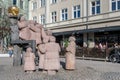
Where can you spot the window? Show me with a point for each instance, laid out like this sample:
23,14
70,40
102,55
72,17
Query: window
64,14
21,4
76,11
34,5
42,19
54,1
95,7
14,2
115,5
42,3
35,18
54,16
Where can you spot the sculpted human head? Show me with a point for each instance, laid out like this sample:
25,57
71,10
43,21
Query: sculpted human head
45,40
72,38
52,39
49,32
29,49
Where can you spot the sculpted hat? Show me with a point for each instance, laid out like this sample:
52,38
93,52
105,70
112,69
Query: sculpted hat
72,38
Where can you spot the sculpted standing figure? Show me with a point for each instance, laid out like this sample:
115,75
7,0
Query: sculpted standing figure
41,53
52,61
29,65
70,54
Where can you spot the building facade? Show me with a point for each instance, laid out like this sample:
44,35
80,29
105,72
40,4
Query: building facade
91,21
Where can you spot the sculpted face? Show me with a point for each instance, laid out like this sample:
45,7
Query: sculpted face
45,40
52,39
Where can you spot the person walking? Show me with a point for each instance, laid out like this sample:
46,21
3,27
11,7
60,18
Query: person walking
10,51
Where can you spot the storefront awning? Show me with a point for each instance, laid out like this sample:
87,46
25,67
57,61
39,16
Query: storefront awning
103,29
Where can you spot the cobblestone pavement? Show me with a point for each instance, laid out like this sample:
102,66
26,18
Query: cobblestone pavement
85,70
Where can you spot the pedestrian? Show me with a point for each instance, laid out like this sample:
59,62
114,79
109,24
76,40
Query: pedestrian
10,51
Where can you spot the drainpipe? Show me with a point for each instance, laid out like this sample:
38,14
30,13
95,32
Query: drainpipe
87,20
45,14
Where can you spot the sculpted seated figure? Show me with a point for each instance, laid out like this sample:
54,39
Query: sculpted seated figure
70,54
24,31
52,61
36,32
29,65
30,30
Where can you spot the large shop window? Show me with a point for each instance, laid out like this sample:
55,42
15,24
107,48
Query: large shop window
110,38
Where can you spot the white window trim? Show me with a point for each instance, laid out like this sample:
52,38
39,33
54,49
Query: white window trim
51,1
76,11
42,17
64,14
111,5
53,16
42,3
95,8
23,4
33,5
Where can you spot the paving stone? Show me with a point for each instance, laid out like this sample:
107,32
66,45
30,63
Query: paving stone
85,70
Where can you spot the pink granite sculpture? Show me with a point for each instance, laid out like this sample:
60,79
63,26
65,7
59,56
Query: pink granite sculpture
29,57
30,30
70,54
24,31
46,34
52,61
36,32
41,53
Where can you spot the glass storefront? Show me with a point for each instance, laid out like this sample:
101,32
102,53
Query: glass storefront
107,38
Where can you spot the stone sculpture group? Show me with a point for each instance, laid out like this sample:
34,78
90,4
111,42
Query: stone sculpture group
47,48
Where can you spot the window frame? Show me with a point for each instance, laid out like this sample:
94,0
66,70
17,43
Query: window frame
42,19
116,5
76,10
95,7
42,3
35,18
53,16
22,5
53,1
65,14
34,5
